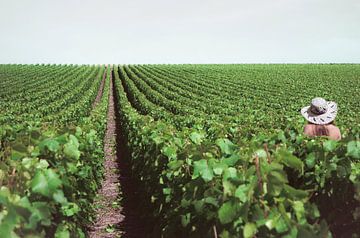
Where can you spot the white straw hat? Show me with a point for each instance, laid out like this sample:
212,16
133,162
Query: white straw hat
320,111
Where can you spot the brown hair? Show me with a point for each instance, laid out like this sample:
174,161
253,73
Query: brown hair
321,130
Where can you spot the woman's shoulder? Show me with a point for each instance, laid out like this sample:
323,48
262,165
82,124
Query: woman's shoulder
332,127
309,130
310,126
334,132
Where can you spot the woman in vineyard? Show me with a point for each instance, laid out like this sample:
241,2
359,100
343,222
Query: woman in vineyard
321,115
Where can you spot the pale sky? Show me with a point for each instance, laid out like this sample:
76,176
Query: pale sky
181,31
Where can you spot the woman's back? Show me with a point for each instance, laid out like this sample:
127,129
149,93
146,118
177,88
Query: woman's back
329,130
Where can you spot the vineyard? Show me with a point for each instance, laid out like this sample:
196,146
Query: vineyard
214,150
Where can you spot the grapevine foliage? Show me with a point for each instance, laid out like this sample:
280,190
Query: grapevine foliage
217,151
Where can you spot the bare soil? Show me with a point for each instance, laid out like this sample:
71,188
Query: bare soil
118,199
108,209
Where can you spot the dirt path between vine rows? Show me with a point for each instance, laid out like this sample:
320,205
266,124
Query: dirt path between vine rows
118,198
107,205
